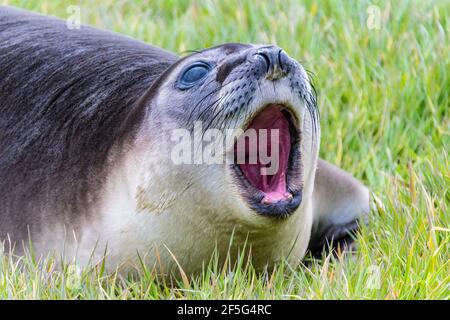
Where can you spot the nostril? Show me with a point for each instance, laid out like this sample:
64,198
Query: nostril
280,63
266,59
276,61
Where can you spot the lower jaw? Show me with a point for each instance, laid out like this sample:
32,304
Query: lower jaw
254,198
280,209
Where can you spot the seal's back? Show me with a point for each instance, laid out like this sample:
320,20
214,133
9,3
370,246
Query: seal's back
66,98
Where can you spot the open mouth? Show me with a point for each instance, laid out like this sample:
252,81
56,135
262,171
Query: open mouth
267,162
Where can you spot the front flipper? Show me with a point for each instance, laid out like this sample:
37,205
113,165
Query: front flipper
341,203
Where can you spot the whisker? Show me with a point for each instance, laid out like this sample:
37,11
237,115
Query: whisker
207,95
215,104
190,52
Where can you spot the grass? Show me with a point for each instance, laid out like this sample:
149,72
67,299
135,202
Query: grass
383,94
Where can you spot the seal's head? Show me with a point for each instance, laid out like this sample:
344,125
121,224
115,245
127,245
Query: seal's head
266,98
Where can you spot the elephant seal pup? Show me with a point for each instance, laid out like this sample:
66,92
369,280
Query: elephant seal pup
97,156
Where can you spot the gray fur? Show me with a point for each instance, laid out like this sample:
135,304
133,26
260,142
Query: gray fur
67,97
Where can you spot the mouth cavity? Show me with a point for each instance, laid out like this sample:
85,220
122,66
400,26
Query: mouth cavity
270,179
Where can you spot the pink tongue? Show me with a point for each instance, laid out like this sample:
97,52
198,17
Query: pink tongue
273,186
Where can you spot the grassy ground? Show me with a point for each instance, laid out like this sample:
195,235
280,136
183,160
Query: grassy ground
383,92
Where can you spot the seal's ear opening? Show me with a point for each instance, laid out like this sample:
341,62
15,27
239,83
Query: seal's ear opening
266,163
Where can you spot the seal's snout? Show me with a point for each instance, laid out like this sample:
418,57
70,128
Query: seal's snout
274,61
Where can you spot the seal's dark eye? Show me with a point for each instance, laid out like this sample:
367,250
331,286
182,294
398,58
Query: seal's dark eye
193,74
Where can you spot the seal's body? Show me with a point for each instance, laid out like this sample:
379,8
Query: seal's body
87,164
